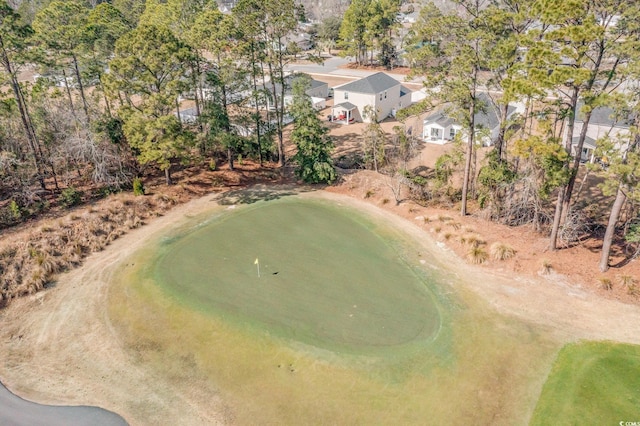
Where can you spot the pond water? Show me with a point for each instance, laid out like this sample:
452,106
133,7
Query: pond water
19,412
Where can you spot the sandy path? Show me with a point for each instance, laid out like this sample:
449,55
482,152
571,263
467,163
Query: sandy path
58,346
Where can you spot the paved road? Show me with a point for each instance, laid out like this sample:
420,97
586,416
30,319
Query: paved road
15,411
332,66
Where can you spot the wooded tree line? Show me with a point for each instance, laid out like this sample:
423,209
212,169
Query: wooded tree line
369,27
111,77
107,101
563,60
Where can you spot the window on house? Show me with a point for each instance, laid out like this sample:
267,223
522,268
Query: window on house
435,133
385,94
346,95
380,96
452,133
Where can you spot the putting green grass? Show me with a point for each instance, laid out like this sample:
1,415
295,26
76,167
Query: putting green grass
304,270
292,349
592,383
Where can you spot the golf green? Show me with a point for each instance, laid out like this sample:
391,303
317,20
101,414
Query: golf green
305,270
594,381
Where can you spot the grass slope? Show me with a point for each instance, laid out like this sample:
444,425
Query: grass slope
592,383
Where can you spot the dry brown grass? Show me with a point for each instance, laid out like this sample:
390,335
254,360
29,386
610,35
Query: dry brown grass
502,251
605,283
29,265
472,240
477,255
630,283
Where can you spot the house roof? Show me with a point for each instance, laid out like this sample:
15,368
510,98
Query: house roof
288,81
404,91
317,83
191,110
188,112
346,105
373,84
589,142
440,119
489,118
603,116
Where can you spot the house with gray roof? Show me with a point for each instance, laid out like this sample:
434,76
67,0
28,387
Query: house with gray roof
603,123
383,93
317,90
441,127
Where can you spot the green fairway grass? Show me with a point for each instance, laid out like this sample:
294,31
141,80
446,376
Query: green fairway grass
361,324
326,278
596,383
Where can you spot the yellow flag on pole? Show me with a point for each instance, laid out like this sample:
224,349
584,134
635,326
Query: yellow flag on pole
256,262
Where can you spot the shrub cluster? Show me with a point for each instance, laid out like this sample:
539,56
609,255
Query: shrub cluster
28,266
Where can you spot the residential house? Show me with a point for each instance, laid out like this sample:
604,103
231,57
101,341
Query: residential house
383,93
440,128
190,116
603,123
318,91
301,39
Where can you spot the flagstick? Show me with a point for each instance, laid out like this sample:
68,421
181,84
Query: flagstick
258,264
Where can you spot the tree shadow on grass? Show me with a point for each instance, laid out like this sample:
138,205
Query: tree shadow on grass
261,193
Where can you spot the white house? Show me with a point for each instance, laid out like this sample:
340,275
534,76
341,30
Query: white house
439,128
383,93
318,91
603,123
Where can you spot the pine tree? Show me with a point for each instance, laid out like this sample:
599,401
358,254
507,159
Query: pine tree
150,62
14,49
453,52
313,157
61,26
